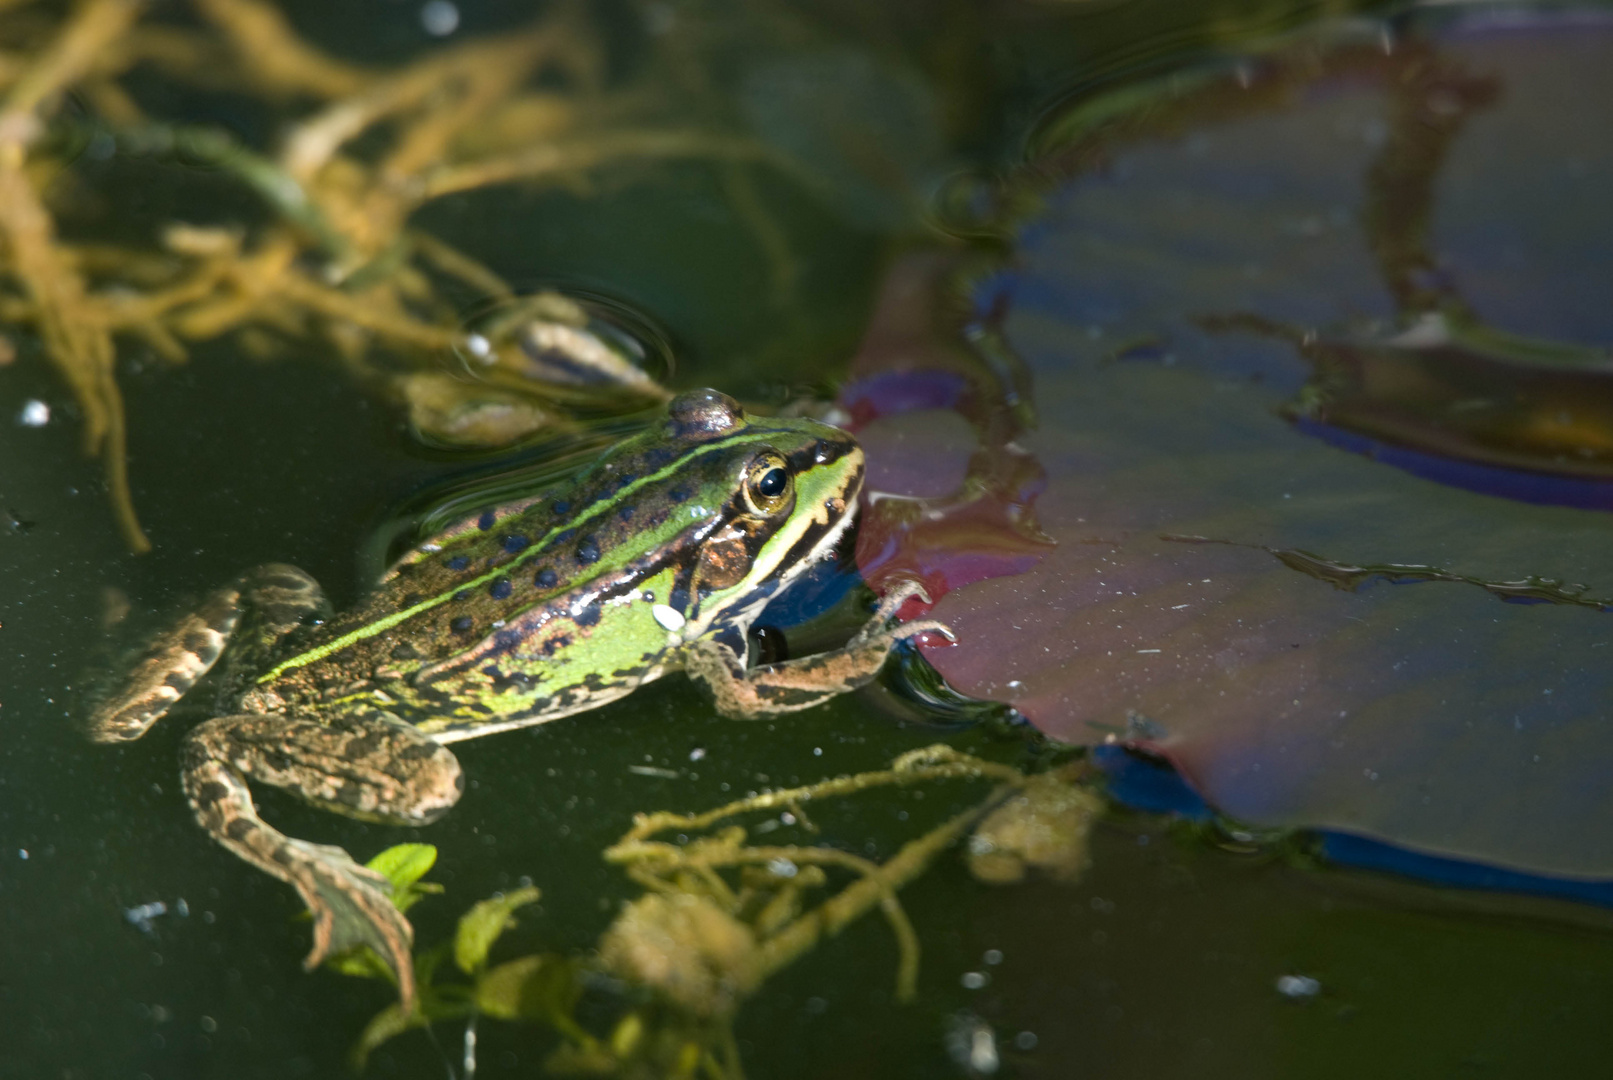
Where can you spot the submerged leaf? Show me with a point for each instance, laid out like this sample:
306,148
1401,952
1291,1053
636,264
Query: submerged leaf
404,865
387,1024
481,926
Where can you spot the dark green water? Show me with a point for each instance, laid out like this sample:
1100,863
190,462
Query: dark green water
1162,962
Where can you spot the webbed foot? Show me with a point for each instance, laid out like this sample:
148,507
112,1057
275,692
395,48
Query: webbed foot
801,683
351,905
363,766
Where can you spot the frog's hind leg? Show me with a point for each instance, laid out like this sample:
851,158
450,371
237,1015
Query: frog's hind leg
792,685
364,766
265,603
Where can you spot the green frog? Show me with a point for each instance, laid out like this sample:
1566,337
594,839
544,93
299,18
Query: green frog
657,558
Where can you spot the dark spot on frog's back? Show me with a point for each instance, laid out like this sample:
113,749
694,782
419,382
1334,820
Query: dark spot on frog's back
588,616
516,544
500,589
546,579
485,522
458,563
625,513
588,550
460,625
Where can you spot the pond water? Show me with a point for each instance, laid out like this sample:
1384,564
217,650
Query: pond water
1235,379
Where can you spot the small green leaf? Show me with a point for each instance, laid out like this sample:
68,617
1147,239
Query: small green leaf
544,987
404,865
386,1024
482,925
503,991
362,962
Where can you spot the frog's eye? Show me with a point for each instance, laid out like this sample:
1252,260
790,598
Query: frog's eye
768,484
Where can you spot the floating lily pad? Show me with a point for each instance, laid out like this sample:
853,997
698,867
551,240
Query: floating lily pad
1185,605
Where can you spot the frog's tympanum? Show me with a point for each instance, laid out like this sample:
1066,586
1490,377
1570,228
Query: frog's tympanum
657,558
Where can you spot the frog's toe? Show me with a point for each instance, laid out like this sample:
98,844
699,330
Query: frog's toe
351,906
923,626
898,594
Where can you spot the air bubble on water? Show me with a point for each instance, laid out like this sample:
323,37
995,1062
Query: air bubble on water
440,18
1298,987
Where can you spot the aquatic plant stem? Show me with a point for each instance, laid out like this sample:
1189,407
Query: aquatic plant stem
879,885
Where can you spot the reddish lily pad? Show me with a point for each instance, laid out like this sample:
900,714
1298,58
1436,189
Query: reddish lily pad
1315,636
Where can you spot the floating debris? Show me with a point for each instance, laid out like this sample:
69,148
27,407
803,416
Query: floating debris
142,915
1042,828
972,1044
1298,987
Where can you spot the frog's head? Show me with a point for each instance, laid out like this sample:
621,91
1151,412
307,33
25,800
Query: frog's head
783,490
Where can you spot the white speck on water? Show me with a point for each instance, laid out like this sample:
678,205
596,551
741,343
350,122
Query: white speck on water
974,980
782,867
1179,607
1298,986
697,753
35,413
142,915
479,347
817,751
669,618
972,1044
993,957
22,853
1147,651
439,17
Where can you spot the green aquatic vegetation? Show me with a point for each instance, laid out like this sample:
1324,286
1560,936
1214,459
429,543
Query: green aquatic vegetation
720,914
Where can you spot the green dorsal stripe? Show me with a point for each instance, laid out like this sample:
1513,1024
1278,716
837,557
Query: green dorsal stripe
537,550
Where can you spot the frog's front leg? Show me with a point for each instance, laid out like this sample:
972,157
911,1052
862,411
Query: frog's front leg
802,683
275,599
364,766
